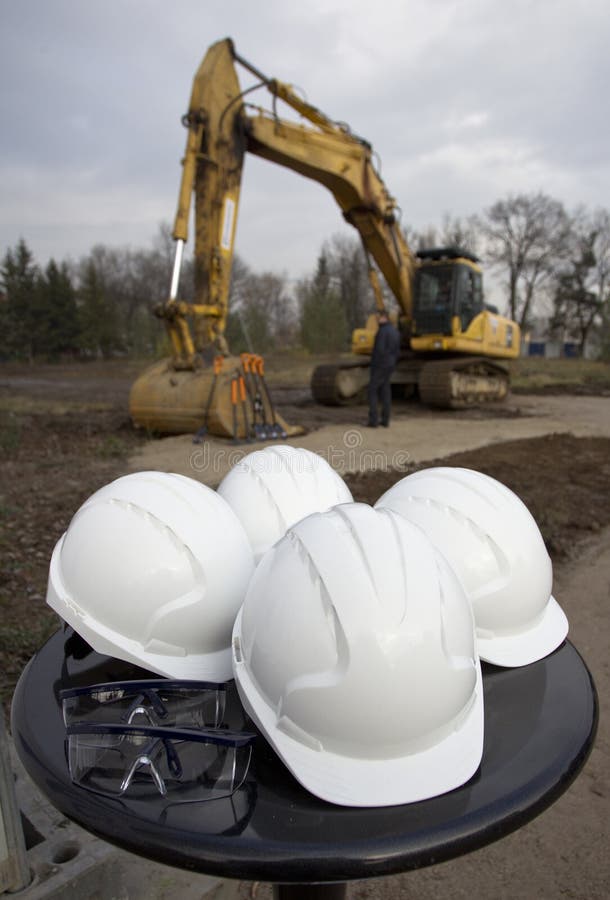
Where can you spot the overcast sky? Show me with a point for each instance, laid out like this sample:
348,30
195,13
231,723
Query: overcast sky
465,101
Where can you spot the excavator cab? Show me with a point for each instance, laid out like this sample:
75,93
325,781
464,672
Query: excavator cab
449,313
448,284
453,343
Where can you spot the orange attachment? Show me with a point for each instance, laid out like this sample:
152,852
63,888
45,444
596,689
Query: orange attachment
242,389
218,361
234,391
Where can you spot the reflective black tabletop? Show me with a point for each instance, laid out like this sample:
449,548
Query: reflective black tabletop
540,722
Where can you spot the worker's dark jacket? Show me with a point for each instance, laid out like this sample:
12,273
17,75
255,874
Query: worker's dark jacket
386,348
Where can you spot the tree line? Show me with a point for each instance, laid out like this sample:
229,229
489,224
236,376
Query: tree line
98,307
545,260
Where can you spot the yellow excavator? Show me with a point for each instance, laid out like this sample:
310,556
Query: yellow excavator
453,343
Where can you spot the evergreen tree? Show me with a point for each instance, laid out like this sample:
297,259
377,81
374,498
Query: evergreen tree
323,322
99,333
58,329
19,321
4,326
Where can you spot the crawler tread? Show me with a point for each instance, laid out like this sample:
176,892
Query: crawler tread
439,387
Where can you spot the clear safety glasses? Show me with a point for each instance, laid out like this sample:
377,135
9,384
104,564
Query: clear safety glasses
137,762
171,704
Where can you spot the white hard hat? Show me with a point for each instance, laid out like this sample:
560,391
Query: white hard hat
354,654
494,545
271,489
152,570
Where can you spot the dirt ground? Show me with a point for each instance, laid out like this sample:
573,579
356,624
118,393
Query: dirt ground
64,432
564,481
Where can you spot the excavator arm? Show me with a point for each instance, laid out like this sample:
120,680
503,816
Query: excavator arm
330,154
211,172
342,163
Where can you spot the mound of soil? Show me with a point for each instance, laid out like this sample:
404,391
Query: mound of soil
51,464
563,480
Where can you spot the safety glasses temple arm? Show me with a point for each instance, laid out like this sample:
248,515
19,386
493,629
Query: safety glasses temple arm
202,736
140,686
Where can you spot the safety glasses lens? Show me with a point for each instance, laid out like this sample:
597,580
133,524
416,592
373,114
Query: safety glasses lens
140,765
168,707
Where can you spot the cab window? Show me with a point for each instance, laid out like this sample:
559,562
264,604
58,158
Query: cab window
434,292
469,295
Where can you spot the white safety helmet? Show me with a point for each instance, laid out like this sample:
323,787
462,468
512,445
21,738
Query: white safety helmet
271,489
354,653
494,545
152,570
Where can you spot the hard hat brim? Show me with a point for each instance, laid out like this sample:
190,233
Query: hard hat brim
525,647
361,782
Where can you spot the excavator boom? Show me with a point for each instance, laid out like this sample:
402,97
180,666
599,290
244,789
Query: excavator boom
342,163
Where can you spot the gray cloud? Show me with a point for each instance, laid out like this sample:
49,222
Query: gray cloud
464,101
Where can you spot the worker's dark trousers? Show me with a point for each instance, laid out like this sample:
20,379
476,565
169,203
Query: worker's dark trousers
380,388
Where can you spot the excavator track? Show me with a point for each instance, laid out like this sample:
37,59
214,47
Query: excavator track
460,382
339,385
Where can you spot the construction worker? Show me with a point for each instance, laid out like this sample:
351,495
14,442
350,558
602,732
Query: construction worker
385,356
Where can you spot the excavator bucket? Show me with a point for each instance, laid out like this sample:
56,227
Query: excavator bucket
230,403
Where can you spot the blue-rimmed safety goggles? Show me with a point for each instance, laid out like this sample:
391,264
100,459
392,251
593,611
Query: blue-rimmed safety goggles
171,704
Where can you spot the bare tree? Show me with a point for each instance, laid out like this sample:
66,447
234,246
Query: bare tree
347,269
262,314
411,236
601,219
134,281
601,226
463,233
426,238
454,232
526,235
582,287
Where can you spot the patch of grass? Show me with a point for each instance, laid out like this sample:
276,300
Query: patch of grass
10,433
112,447
533,374
6,511
20,404
529,374
294,368
76,369
18,643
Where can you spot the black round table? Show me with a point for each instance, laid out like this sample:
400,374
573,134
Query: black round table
540,723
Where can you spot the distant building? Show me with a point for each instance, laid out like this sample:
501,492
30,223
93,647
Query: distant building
536,342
